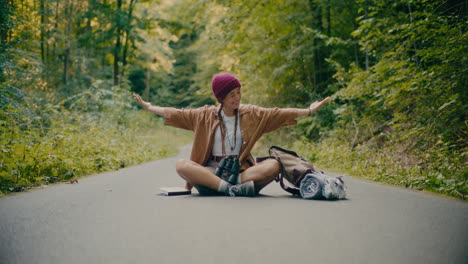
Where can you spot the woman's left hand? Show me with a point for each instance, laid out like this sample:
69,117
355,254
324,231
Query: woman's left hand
315,106
140,101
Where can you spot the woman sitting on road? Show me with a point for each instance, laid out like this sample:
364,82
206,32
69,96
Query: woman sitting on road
230,129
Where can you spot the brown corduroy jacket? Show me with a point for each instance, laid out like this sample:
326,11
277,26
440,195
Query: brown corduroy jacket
254,122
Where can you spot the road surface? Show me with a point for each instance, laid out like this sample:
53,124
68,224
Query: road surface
118,217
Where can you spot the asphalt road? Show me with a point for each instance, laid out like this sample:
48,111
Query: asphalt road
119,217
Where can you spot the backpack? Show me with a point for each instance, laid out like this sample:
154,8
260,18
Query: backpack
299,177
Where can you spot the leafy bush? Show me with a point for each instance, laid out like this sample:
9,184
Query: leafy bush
402,120
94,131
435,169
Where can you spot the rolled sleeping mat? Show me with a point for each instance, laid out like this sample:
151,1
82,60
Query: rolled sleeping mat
311,186
319,185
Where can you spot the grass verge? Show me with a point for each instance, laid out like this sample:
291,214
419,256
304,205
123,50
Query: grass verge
434,170
38,151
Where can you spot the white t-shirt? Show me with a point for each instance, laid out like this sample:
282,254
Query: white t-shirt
229,122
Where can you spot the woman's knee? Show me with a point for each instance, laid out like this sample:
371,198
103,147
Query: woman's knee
182,166
272,166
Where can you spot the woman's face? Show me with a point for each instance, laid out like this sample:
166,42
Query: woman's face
232,100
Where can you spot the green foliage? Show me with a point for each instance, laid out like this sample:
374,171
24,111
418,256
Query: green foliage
277,48
400,105
95,131
137,81
437,169
181,91
402,120
6,24
415,90
395,69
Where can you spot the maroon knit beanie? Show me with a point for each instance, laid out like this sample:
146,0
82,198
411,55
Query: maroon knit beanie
222,84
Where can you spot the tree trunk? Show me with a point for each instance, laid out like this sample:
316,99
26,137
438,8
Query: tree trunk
89,31
42,14
66,49
118,44
54,48
127,32
328,18
147,83
319,17
67,52
366,52
5,33
6,28
317,24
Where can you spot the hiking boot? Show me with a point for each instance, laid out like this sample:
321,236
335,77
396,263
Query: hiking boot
243,189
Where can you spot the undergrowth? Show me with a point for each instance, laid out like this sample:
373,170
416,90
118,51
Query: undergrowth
44,143
437,168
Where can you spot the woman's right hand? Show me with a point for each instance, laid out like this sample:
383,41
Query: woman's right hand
140,101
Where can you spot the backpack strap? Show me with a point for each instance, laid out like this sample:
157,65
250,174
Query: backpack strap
293,187
280,178
292,190
285,150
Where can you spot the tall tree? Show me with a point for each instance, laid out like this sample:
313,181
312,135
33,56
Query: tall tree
128,31
6,26
69,13
118,42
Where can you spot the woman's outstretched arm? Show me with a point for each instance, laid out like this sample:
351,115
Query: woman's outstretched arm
159,110
314,107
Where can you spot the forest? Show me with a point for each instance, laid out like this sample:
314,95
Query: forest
396,71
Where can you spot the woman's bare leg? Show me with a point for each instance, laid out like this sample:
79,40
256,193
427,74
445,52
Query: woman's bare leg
196,174
262,173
